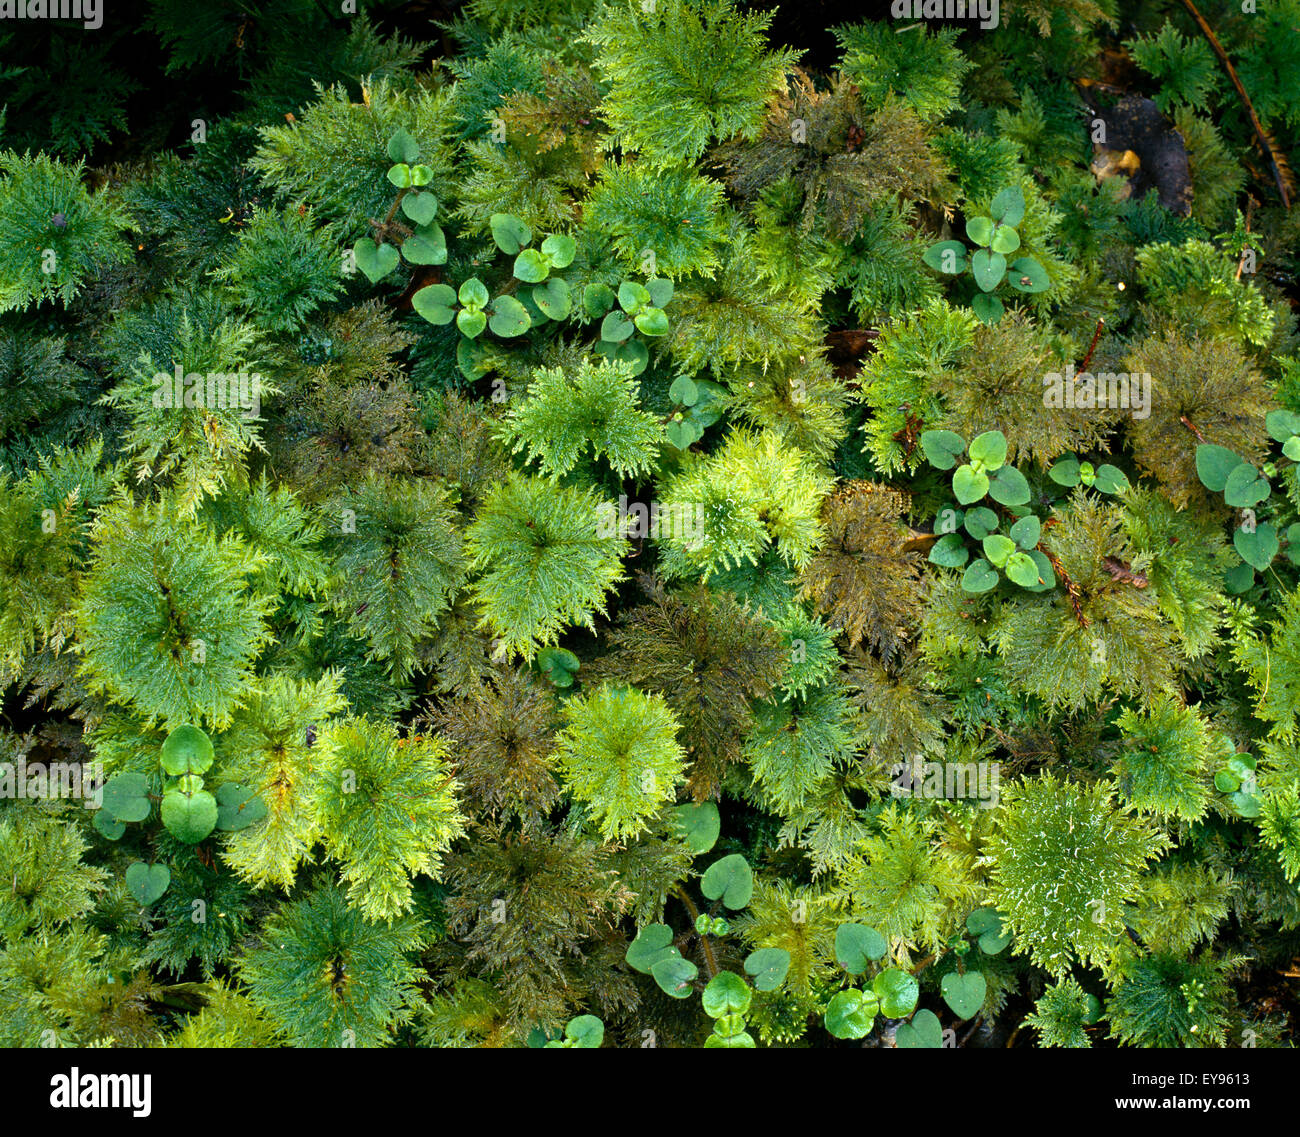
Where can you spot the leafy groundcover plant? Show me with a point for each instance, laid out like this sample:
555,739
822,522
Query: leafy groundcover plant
652,523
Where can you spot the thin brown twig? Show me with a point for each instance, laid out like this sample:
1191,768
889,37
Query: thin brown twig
1096,335
1265,142
694,913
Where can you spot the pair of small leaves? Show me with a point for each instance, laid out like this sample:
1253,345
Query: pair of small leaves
1006,485
988,233
987,925
1030,570
1070,472
1222,471
1284,427
851,1013
1237,780
702,403
404,176
653,953
532,266
586,1032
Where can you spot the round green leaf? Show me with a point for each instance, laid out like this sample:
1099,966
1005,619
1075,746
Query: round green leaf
1226,782
1282,425
126,797
509,318
421,175
471,322
980,576
699,825
147,882
1238,579
726,994
990,448
597,299
987,307
1021,569
949,552
1008,487
923,1033
1291,448
426,246
402,147
653,943
683,434
509,233
660,289
560,249
1005,240
473,293
675,976
531,267
731,879
897,992
375,261
769,967
968,485
1008,206
1247,805
856,945
632,297
1065,472
683,391
1110,479
635,354
586,1032
980,522
187,750
742,1041
964,994
850,1014
1245,487
1259,548
1214,464
651,322
980,229
435,303
554,298
942,447
616,327
998,548
400,175
1027,531
238,807
947,257
988,268
1027,275
421,207
189,817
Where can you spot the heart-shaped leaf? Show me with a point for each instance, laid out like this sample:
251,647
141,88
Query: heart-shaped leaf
554,298
947,257
586,1032
660,289
1008,206
471,322
980,522
980,229
400,175
238,807
1021,569
1281,424
730,879
436,303
675,976
509,233
923,1033
653,943
856,945
988,268
421,207
1027,531
473,293
531,267
726,994
1065,472
1245,487
375,261
964,994
651,322
126,797
509,318
426,246
768,966
1238,579
980,576
851,1014
189,817
897,991
1009,487
987,307
987,924
632,297
421,175
187,750
699,825
560,250
597,299
683,391
683,434
942,447
635,354
1214,464
1291,448
1005,240
969,485
108,825
998,548
1110,479
616,327
989,448
1259,548
402,146
1027,275
147,882
949,552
